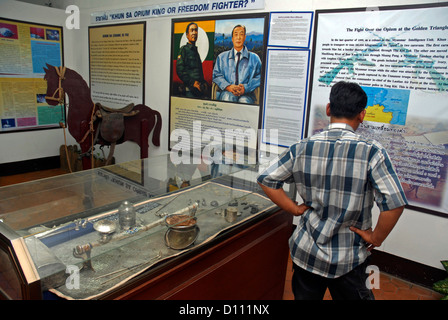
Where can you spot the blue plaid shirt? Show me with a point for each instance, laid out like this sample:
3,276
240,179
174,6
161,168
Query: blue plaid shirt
340,175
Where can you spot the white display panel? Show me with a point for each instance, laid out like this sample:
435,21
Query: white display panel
399,57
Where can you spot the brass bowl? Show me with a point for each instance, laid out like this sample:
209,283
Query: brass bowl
182,231
180,239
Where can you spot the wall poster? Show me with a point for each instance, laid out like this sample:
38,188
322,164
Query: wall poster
285,100
290,29
287,74
211,100
25,49
117,64
399,55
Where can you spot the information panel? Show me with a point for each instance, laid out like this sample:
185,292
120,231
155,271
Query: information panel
286,85
117,64
399,56
216,94
25,49
290,29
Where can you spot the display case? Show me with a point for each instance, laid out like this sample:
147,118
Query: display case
102,233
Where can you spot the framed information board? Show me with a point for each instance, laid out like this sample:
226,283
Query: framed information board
214,98
117,64
25,49
398,55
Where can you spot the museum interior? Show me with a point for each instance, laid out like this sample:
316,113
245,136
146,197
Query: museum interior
133,139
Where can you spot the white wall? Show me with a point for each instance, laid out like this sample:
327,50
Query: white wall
418,236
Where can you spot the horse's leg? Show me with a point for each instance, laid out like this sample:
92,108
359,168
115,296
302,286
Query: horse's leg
144,134
86,162
111,153
157,128
87,200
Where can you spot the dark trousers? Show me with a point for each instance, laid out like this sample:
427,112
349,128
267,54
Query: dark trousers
351,286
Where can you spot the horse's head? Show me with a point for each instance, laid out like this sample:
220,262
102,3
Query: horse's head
62,81
55,93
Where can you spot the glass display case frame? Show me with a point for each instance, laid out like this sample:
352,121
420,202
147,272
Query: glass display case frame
88,234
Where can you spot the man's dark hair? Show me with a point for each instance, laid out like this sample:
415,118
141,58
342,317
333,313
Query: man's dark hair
188,26
347,100
239,26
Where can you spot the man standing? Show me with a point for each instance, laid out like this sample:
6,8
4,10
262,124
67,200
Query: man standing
339,175
189,65
237,72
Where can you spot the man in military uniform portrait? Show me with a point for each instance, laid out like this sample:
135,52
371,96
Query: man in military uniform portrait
189,65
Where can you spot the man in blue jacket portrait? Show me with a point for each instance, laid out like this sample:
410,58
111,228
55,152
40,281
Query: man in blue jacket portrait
237,72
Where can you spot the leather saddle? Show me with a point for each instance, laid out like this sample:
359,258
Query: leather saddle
111,125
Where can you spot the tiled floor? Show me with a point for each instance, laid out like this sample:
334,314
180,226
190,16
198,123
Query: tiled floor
390,288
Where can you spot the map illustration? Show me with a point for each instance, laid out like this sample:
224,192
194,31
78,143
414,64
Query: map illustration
386,105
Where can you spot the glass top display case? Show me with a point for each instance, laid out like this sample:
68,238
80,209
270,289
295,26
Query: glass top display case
98,228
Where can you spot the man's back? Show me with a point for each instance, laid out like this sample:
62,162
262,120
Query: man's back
339,175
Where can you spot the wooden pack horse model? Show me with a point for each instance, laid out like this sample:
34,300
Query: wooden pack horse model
91,124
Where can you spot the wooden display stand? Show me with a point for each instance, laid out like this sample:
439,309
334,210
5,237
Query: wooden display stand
248,263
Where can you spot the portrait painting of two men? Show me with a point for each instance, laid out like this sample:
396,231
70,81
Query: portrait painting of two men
219,60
